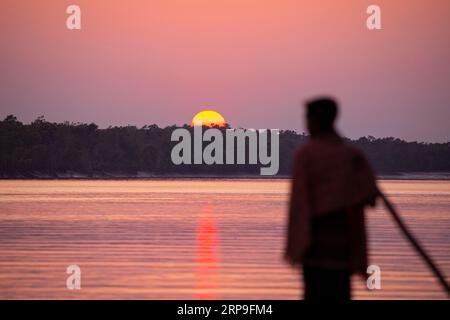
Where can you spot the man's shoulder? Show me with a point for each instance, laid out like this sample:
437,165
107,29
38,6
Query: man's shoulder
353,150
312,149
308,152
304,151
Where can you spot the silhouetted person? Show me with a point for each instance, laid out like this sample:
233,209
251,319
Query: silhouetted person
332,182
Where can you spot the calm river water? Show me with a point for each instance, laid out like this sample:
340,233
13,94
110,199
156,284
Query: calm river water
194,239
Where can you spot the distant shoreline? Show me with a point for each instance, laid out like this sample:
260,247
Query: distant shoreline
146,176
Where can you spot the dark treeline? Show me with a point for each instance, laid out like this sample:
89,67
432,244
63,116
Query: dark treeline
45,149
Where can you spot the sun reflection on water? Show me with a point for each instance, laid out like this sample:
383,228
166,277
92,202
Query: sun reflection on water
207,255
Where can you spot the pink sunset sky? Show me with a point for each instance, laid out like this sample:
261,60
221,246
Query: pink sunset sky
253,61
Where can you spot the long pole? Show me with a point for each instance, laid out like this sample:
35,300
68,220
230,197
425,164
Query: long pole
416,244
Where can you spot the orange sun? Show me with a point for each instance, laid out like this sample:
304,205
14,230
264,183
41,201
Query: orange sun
208,118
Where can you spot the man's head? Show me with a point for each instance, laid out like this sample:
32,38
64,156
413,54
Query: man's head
320,115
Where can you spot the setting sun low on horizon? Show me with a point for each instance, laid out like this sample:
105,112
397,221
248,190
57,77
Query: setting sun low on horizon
208,118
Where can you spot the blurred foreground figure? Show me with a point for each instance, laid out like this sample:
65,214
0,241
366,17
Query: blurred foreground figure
332,183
